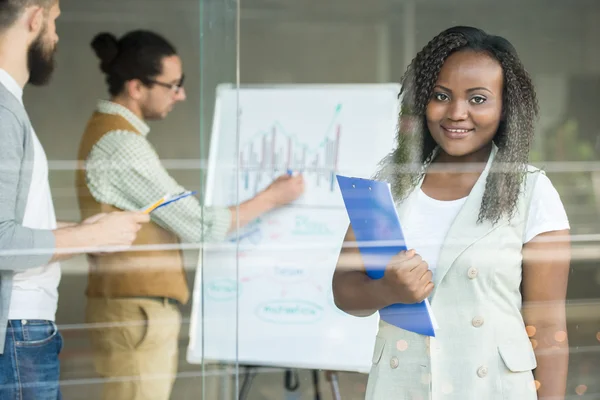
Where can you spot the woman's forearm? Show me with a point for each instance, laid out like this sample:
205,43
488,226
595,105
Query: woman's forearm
357,294
552,353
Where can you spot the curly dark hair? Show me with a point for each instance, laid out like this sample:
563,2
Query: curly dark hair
416,148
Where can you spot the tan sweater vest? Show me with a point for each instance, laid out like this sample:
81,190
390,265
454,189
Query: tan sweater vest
132,273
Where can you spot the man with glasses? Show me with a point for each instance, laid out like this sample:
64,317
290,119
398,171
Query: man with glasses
133,297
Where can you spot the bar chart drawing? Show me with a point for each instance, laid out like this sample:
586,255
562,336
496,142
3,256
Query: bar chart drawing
275,150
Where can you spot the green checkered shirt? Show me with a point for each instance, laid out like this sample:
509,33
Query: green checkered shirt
124,170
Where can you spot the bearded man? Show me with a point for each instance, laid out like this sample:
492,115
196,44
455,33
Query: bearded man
31,240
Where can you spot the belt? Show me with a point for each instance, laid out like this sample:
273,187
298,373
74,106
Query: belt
164,300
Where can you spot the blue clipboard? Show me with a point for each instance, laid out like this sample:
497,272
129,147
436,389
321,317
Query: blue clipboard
377,228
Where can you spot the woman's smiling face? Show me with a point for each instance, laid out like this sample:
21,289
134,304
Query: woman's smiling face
465,109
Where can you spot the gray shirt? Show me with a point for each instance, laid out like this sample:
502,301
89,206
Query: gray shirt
20,248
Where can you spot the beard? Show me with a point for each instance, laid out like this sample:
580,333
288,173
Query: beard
154,113
40,61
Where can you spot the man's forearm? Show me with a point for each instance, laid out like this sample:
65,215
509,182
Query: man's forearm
71,239
64,224
249,210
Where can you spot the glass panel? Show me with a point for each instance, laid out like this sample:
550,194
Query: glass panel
213,335
291,46
311,86
108,350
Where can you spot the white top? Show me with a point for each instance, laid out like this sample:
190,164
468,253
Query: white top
427,225
35,291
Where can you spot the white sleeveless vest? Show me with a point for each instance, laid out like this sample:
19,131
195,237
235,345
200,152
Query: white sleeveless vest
481,351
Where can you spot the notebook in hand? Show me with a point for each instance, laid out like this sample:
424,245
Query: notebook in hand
379,235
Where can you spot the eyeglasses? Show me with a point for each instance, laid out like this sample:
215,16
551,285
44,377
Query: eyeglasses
175,88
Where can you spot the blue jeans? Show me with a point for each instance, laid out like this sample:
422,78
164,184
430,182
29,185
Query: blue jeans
29,367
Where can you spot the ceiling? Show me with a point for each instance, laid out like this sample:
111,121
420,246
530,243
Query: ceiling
303,10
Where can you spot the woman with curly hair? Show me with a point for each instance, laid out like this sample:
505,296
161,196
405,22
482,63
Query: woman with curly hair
488,235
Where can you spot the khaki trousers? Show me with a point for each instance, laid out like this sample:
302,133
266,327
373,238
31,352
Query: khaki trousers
135,346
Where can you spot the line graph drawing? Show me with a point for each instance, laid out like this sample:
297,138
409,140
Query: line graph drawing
271,151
